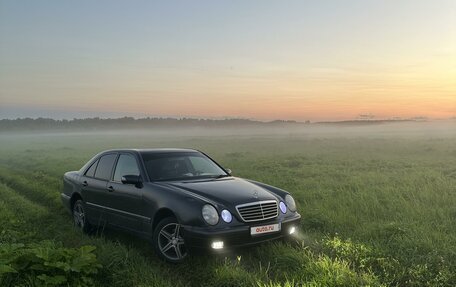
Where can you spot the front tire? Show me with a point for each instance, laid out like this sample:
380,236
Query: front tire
168,241
80,217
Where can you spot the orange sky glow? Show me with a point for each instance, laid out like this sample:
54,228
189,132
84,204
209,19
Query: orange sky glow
259,60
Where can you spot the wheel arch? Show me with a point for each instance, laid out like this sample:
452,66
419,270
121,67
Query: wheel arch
74,197
161,214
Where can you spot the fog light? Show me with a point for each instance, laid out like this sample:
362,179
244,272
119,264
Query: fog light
217,245
291,231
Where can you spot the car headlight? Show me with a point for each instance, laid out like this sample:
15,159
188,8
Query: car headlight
290,202
283,207
226,216
210,214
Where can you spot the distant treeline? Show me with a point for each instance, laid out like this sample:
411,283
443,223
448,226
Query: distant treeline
31,124
130,123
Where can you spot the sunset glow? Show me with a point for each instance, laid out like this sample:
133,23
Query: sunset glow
262,59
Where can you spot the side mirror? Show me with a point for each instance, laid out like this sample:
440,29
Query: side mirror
132,179
228,171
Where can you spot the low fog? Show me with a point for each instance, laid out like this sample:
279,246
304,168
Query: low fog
338,129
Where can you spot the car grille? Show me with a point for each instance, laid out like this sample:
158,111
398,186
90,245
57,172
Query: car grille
257,211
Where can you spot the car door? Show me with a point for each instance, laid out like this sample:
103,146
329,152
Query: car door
126,199
94,188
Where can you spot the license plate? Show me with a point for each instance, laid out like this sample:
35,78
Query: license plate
257,230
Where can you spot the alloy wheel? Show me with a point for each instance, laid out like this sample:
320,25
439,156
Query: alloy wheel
78,215
171,243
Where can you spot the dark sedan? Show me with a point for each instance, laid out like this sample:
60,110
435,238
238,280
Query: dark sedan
179,198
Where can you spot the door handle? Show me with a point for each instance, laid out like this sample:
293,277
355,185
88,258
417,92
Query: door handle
85,183
110,188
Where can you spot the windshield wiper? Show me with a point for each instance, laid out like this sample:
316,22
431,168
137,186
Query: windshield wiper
193,177
222,175
174,178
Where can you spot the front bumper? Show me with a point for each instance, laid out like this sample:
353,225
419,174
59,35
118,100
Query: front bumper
236,236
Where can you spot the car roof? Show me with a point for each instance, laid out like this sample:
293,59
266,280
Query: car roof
152,150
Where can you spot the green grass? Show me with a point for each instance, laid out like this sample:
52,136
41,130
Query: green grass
378,209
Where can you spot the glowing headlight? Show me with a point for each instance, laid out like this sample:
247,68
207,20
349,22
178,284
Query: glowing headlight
290,202
210,214
226,216
217,245
292,230
283,207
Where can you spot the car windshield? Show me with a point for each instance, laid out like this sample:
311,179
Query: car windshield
180,166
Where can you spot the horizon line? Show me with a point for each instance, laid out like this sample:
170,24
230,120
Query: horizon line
358,119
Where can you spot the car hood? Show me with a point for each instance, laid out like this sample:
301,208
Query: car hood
227,191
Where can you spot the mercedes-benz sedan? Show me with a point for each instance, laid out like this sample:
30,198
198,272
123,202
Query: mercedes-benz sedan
179,199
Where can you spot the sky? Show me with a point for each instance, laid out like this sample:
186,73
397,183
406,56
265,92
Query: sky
265,60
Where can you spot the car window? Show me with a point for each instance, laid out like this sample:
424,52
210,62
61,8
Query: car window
126,165
91,171
200,164
180,165
104,167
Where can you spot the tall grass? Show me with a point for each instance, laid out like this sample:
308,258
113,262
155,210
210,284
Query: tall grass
377,210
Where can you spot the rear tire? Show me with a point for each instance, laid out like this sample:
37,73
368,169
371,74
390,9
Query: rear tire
168,241
80,217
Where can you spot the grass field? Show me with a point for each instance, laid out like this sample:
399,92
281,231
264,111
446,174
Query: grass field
378,208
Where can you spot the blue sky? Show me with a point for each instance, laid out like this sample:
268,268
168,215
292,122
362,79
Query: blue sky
254,59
